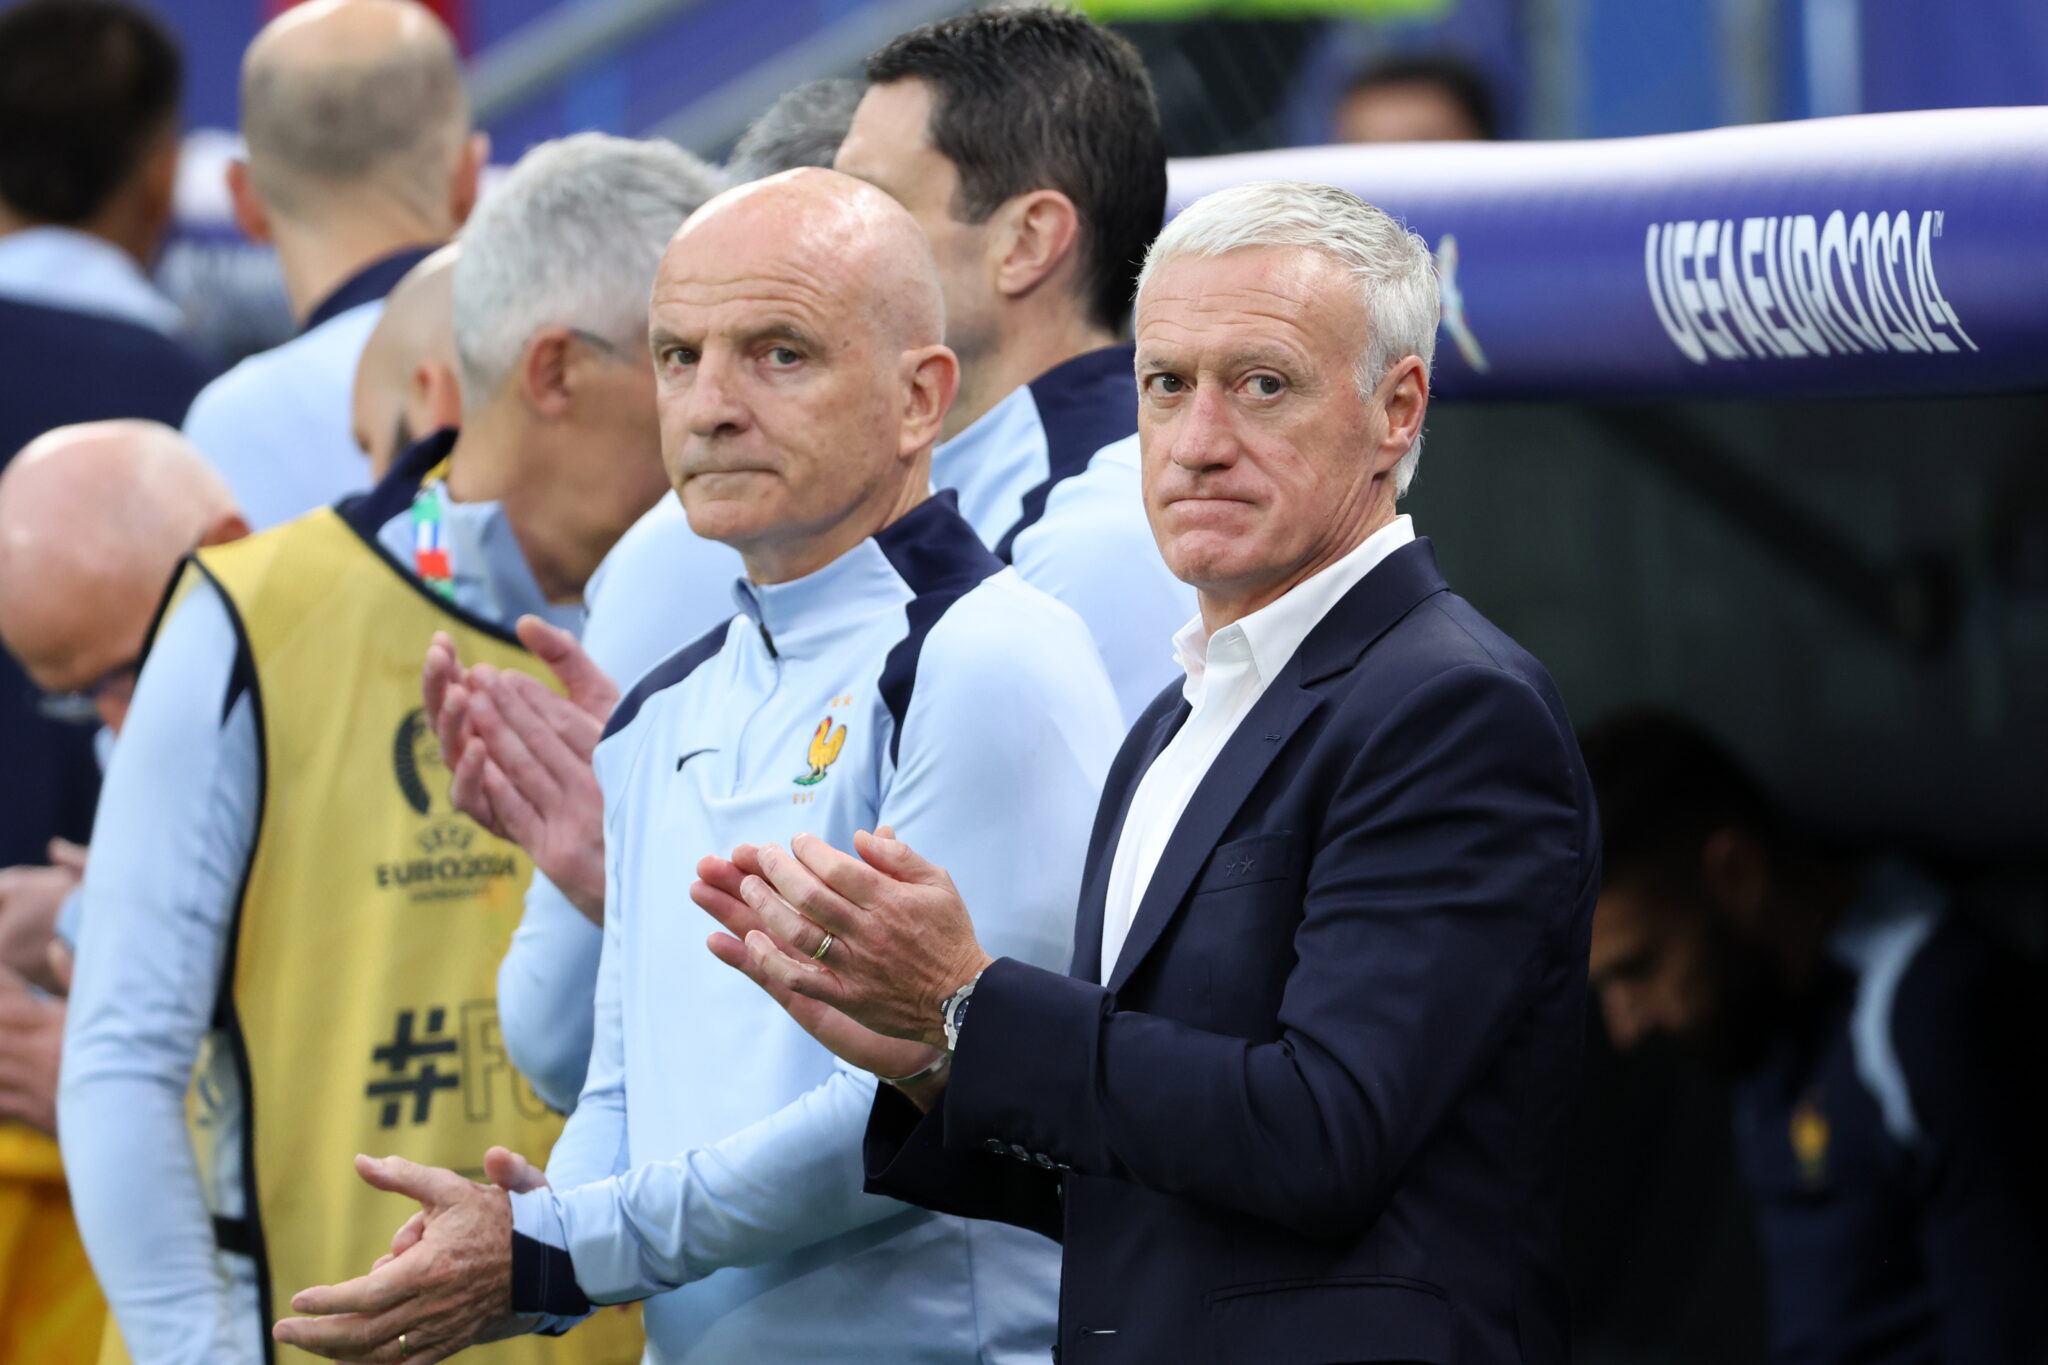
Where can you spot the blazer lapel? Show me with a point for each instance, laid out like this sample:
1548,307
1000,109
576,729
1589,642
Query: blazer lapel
1243,760
1087,964
1395,586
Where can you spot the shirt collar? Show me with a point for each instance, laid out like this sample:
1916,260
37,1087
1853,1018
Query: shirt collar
367,285
927,549
1275,631
61,267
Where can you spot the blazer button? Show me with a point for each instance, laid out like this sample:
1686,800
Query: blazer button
1018,1152
1044,1161
995,1145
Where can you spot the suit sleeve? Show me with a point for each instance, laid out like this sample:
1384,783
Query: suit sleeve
1445,882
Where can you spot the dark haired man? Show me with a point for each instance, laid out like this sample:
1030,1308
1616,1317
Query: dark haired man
1026,144
88,156
1417,99
1864,1022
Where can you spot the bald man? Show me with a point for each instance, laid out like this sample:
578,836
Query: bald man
361,161
93,520
885,669
408,382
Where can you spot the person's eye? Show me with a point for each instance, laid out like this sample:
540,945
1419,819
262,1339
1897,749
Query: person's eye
1266,385
783,357
1164,385
675,357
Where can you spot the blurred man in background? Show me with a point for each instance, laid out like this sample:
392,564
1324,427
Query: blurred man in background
278,893
1418,99
93,521
408,383
803,128
89,95
360,162
1878,1044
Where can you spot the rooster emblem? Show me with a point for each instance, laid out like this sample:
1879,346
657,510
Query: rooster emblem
826,743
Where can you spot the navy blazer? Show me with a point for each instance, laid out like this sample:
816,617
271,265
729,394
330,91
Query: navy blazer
1318,1113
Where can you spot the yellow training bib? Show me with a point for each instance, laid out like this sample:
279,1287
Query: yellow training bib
359,1005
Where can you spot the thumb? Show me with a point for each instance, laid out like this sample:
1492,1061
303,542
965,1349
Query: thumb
65,854
433,1187
587,684
510,1171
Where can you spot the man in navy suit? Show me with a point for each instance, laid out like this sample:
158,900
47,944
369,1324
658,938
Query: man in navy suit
1303,1097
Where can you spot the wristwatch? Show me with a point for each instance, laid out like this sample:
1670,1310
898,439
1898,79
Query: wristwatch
954,1014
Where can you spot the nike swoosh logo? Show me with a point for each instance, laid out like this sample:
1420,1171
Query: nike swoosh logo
690,755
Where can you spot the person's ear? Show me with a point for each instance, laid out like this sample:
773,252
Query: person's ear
250,215
1403,394
468,180
933,378
433,397
224,528
1737,875
544,372
1036,235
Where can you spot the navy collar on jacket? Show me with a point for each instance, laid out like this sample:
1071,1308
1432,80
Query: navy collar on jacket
1084,403
394,492
367,285
1394,588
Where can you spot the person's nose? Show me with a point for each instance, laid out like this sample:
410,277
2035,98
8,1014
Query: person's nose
712,405
1206,434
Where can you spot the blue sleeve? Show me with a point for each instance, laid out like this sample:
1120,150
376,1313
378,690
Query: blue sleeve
1009,698
1962,1030
175,826
1093,550
795,1178
547,987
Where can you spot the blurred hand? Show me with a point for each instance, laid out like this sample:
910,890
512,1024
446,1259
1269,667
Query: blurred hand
717,892
30,898
449,1287
31,1046
445,689
530,760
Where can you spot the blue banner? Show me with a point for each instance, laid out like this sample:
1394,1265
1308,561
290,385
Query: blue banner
1869,256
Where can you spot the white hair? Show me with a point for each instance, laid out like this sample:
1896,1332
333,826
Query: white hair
1396,275
570,238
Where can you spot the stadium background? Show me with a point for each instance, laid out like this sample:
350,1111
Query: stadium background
1852,591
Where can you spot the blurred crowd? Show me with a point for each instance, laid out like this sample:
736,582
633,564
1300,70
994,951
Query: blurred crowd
306,663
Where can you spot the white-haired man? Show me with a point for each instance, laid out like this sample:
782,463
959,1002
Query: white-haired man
1305,1094
360,162
278,891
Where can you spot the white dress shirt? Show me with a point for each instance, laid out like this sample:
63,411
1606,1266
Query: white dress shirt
1227,673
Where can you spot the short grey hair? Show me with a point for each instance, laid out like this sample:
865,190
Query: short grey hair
803,128
570,238
1395,273
317,129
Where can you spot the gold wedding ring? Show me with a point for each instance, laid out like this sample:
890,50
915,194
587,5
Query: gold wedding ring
823,948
